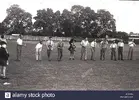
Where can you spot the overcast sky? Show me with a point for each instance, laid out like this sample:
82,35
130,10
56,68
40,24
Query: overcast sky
126,13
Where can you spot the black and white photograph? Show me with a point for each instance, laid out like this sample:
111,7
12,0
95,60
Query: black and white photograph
70,45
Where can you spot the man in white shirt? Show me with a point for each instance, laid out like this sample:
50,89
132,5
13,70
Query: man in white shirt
19,47
103,48
38,51
50,46
120,50
113,47
131,48
93,47
84,44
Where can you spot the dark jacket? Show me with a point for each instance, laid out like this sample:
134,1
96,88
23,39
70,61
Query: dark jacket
4,55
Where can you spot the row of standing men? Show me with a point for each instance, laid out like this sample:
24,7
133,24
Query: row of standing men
84,45
4,55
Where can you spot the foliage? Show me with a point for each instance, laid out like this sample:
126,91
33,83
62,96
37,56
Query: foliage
79,21
17,20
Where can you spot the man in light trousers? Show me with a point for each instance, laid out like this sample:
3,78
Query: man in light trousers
93,49
131,49
84,44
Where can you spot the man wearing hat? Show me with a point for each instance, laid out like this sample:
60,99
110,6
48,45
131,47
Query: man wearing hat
50,46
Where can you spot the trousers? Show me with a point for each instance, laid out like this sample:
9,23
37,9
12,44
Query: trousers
19,52
83,53
120,53
130,53
102,53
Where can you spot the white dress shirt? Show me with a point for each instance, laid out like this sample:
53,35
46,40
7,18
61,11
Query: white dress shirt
38,47
19,41
84,43
120,44
113,45
93,44
131,44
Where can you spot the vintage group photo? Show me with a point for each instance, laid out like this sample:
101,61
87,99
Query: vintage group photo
69,45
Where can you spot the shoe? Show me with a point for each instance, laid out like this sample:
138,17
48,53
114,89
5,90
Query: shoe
4,78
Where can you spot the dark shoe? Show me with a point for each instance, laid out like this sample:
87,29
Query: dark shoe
4,77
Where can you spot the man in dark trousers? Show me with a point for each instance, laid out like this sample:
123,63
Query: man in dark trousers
120,50
50,47
103,48
60,46
4,55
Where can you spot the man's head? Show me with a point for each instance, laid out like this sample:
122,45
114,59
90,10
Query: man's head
2,36
95,40
86,39
114,41
121,40
132,40
40,41
20,36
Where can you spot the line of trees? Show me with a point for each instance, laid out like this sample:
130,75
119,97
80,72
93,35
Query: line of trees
79,21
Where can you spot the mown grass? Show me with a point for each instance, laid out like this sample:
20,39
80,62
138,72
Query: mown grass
70,75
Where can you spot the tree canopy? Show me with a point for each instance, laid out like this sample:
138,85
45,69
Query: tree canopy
79,21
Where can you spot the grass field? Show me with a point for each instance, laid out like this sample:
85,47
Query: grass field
70,75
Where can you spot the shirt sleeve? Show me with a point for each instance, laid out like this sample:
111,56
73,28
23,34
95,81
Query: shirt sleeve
17,40
91,44
82,43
